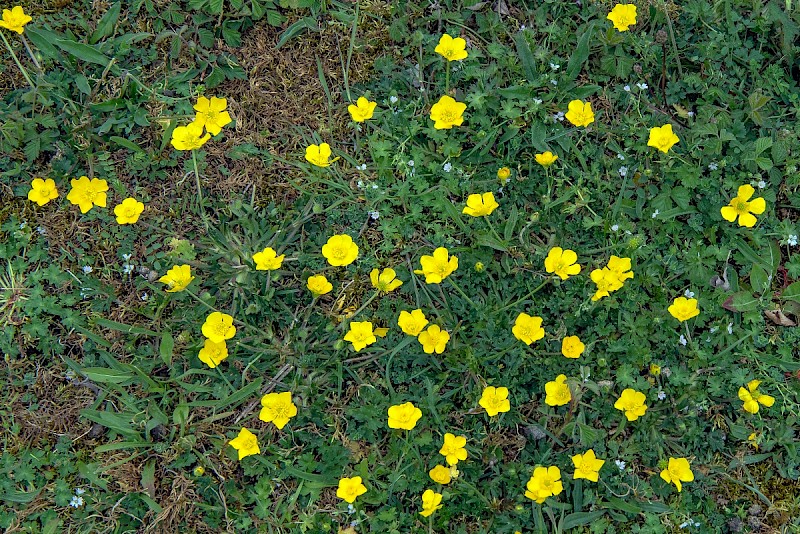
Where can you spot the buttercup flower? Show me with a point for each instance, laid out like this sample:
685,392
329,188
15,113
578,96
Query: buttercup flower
404,416
572,347
684,309
752,397
177,278
350,488
662,138
677,471
440,474
319,155
386,281
447,113
318,285
15,19
454,448
621,268
546,159
580,113
587,466
623,16
562,262
219,327
743,207
480,205
452,49
752,439
412,323
434,339
277,408
189,137
632,403
495,400
362,110
42,191
246,443
212,354
544,482
340,250
431,501
211,114
503,174
437,267
606,282
268,260
558,393
128,211
360,335
528,329
87,193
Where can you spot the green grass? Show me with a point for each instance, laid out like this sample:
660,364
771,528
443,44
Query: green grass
105,392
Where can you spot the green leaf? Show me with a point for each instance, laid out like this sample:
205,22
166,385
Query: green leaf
44,40
105,27
83,51
149,478
215,6
121,141
792,292
759,279
101,375
744,301
307,23
125,328
579,519
581,53
629,506
166,347
525,56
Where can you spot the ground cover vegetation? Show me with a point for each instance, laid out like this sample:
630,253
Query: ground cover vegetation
473,267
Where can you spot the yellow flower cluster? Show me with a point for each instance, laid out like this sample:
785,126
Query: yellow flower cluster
209,119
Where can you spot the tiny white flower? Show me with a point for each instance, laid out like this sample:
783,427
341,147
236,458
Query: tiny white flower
411,163
762,184
684,525
730,328
447,167
623,171
393,99
87,269
537,101
641,85
79,491
627,88
614,227
40,230
76,501
126,257
620,157
654,215
620,465
690,113
127,268
360,184
555,66
374,186
688,294
554,82
500,190
713,329
22,225
144,296
350,509
662,395
791,240
558,116
682,340
522,28
713,166
374,215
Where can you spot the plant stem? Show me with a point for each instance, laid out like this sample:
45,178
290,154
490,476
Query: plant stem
31,54
367,303
16,60
197,178
526,297
225,378
494,232
447,79
461,291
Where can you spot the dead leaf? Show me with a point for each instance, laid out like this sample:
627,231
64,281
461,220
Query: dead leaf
777,317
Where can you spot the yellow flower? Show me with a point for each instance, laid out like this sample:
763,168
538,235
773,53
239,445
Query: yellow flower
177,278
246,443
212,354
447,113
623,15
437,267
632,403
580,113
546,159
362,110
15,19
277,408
452,49
480,205
655,369
572,347
606,281
558,393
454,448
431,501
87,193
677,471
743,207
662,138
219,327
386,281
528,329
211,114
562,262
42,191
544,482
587,466
621,268
404,416
340,250
503,174
350,488
318,285
495,400
128,211
319,155
189,137
752,397
752,439
268,259
360,335
412,323
684,309
433,339
440,474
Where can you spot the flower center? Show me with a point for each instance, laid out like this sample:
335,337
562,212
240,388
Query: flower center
740,206
340,253
448,115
